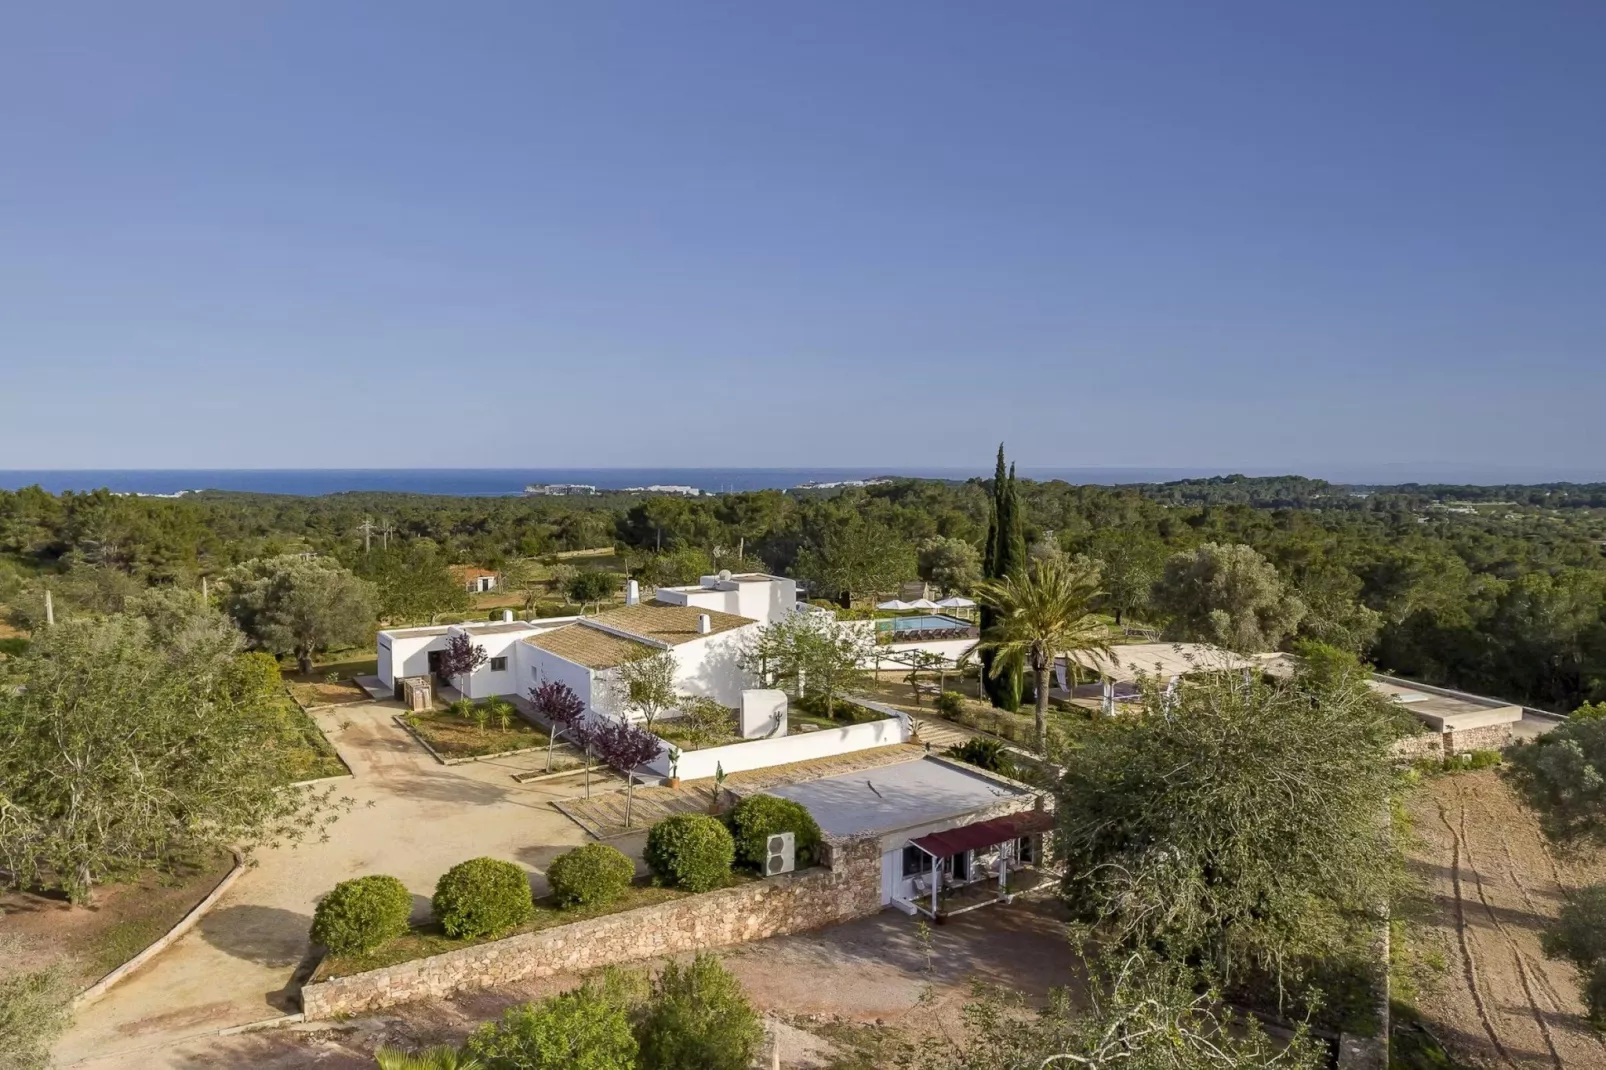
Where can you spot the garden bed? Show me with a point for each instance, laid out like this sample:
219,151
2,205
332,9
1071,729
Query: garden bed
313,757
426,940
454,737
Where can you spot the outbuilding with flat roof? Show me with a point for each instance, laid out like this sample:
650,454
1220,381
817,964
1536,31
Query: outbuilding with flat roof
943,825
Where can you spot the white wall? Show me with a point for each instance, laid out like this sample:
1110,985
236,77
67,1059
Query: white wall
409,656
483,681
763,753
763,602
712,667
536,666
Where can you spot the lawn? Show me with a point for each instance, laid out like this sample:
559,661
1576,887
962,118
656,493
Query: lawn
126,918
428,939
456,736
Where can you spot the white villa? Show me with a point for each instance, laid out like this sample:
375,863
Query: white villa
704,626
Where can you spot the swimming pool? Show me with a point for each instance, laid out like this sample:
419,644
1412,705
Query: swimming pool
926,622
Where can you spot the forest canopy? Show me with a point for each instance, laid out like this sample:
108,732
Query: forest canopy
1498,590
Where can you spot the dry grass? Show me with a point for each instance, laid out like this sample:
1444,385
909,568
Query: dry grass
453,736
125,918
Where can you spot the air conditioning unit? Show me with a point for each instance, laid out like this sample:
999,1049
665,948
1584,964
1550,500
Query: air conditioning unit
780,854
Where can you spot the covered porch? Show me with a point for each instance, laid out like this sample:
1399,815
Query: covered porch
944,874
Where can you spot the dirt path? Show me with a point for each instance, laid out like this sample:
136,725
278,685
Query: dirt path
1493,883
873,971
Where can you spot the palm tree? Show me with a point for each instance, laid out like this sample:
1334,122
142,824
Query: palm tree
1039,614
444,1057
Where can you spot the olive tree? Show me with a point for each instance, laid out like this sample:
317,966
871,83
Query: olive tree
821,655
1229,595
116,750
647,684
1238,821
1141,1013
299,606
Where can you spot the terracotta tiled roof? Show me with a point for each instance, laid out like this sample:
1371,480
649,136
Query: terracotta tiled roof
468,572
591,647
666,623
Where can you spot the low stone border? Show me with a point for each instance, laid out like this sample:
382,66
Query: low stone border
185,924
775,906
433,753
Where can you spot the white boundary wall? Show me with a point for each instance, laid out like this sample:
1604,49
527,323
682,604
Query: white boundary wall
802,747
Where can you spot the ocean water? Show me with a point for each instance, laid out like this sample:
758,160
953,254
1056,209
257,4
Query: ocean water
490,482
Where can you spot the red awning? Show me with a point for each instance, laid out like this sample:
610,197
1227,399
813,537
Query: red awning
985,833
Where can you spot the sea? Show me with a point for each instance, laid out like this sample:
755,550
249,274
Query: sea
497,482
502,482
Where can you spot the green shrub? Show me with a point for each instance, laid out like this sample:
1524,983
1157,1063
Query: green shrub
579,1030
595,873
698,1019
482,896
463,708
986,754
758,817
500,711
949,703
34,1010
362,914
1578,935
693,851
1478,759
1594,985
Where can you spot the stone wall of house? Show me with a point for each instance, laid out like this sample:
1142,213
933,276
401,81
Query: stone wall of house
1440,745
1489,737
848,888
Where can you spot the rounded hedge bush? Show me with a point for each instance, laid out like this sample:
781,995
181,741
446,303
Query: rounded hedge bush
482,896
362,914
758,817
595,873
693,851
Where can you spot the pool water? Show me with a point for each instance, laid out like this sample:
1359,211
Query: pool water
924,623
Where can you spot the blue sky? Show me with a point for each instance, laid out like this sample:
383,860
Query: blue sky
535,234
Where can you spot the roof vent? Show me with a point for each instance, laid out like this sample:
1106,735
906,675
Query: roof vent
507,616
705,624
632,592
724,575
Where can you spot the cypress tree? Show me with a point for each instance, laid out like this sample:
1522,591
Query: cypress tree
1004,553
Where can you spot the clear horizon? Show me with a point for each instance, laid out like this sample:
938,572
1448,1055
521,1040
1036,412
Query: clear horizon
1304,239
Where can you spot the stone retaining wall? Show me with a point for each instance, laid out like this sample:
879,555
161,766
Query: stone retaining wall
791,903
1442,745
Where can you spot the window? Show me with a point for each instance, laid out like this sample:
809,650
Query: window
915,861
499,665
1026,850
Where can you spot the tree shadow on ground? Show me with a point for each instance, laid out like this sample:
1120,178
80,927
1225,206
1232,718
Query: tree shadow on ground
267,936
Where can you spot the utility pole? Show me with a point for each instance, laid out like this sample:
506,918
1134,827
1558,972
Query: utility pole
367,529
50,608
204,594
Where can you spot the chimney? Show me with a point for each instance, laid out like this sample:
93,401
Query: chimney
632,592
507,616
705,624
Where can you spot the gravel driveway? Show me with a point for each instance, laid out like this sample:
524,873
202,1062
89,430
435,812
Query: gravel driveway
412,818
